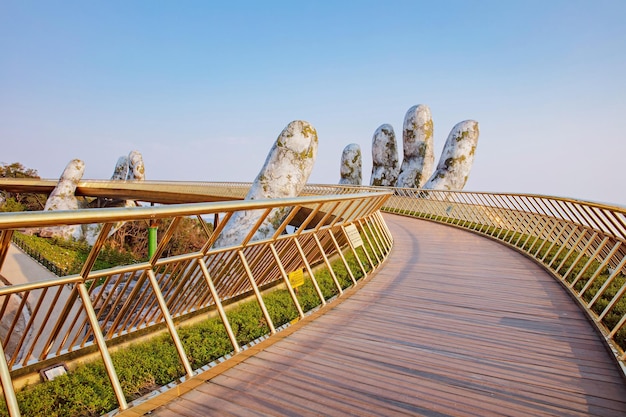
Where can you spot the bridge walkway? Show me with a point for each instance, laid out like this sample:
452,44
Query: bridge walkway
454,325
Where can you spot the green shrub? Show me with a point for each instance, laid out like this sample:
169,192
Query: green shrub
280,307
66,257
205,342
146,366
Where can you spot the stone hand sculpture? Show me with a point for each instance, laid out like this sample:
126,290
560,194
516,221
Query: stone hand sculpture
136,169
351,165
120,173
454,165
417,142
63,198
456,159
284,174
127,168
384,157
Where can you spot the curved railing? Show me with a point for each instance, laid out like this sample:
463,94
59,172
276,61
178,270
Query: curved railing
47,321
166,192
582,244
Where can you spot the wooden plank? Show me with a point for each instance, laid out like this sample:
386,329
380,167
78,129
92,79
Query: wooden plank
454,324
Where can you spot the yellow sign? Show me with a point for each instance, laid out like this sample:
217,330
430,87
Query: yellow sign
296,278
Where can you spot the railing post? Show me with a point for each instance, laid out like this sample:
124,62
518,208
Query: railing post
589,262
343,258
354,251
328,265
384,230
598,271
581,254
218,305
104,352
367,255
169,322
375,245
257,293
571,247
5,243
281,268
606,284
7,386
310,271
546,239
555,242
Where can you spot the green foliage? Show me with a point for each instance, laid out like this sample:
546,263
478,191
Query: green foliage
146,366
12,205
189,236
307,296
65,257
17,170
280,307
81,393
205,342
20,201
247,322
326,283
126,247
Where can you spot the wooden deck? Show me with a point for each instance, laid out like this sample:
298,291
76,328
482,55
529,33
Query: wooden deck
453,325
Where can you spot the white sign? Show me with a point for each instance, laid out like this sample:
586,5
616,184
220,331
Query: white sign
354,236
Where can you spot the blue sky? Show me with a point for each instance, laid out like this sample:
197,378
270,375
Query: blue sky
202,89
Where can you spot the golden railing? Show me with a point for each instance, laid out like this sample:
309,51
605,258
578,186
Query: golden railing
582,244
46,321
166,192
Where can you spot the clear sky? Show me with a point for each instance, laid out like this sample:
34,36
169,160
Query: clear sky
202,89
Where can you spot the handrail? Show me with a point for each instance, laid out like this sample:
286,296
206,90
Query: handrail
582,244
166,192
50,319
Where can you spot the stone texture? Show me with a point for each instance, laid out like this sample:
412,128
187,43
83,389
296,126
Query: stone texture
120,173
351,165
384,157
63,198
130,168
136,170
456,159
284,174
417,141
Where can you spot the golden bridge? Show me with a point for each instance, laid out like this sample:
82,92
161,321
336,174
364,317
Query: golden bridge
456,303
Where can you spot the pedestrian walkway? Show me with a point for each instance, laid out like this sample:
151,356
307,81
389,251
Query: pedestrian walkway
453,325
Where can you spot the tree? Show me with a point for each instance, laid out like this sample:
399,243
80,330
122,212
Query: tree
17,170
20,201
188,237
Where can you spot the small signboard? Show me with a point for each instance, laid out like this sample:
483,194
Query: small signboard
354,236
296,278
51,372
